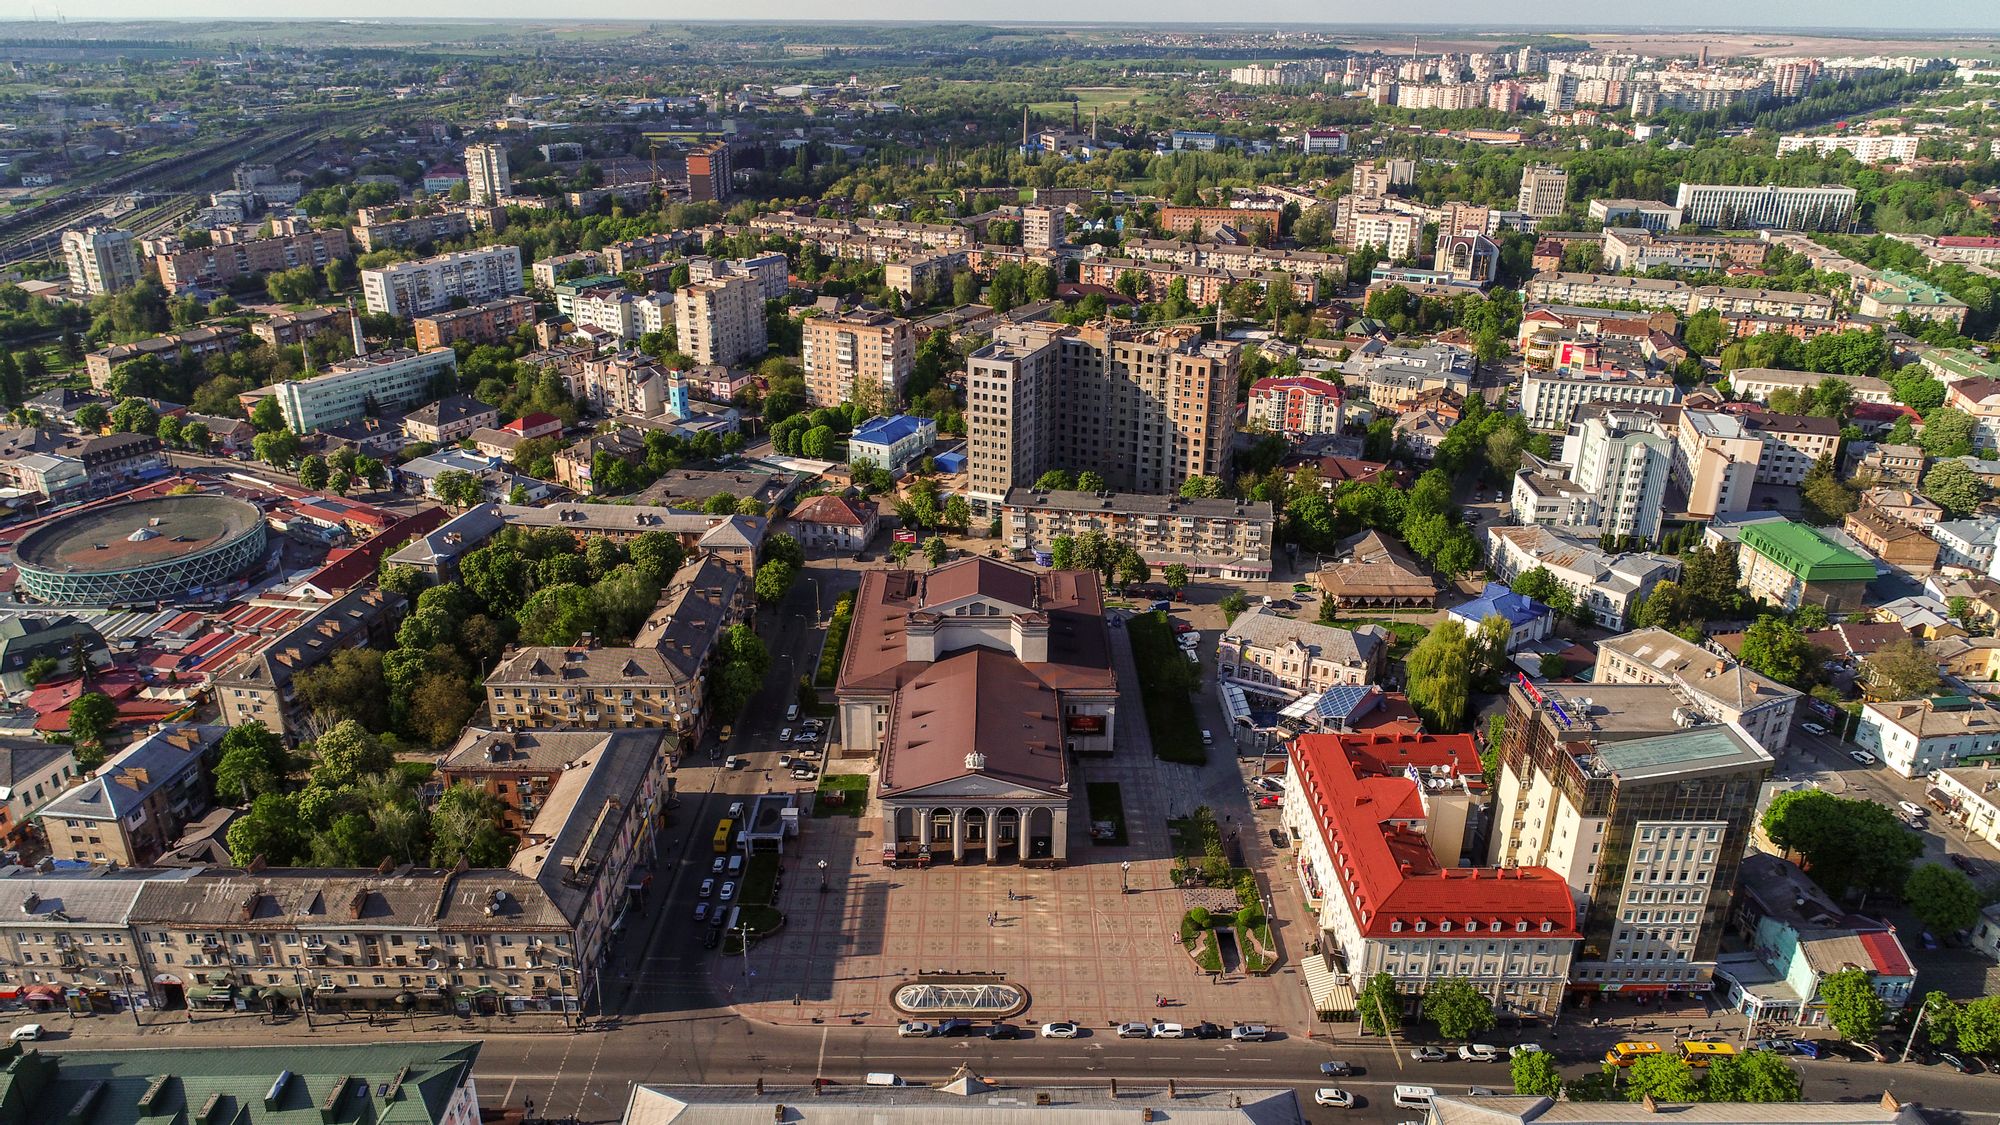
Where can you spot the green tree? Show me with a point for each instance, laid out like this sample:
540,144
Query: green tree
313,472
958,514
91,717
92,417
1233,604
625,599
277,449
558,615
253,761
1176,575
1056,480
1827,500
774,581
1458,1008
1852,1006
1380,1006
1942,898
657,555
348,686
935,551
1664,1077
1439,671
1752,1076
1955,488
1062,552
1201,488
1848,845
465,824
1902,670
271,829
1704,332
1948,432
39,669
1088,481
267,415
1977,1025
1780,650
1536,1073
346,754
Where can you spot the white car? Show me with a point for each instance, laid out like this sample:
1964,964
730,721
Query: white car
1913,808
26,1032
1862,756
707,887
1519,1049
1061,1029
1478,1052
1428,1054
785,734
1163,1030
1333,1097
1189,640
1812,728
728,891
1134,1031
915,1029
1193,656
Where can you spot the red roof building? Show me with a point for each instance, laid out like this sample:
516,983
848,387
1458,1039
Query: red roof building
534,426
1299,404
1381,819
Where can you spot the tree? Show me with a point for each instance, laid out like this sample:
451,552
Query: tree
253,761
39,669
1201,488
1942,897
1439,672
1663,1077
1552,666
935,551
271,829
1948,432
313,472
1902,670
558,615
1132,569
439,707
1752,1076
1826,499
1380,1005
1062,552
346,754
1848,845
1458,1008
958,514
1088,481
1176,575
348,686
278,449
1977,1025
465,825
91,417
1537,583
1778,649
657,554
91,716
1056,480
1233,604
1955,488
1852,1006
774,581
1703,333
1535,1073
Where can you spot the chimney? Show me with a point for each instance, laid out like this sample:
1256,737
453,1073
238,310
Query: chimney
1889,1103
356,904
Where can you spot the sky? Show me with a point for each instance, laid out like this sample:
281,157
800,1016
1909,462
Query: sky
1942,15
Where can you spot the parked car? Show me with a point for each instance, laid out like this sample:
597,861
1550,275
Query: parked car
954,1028
1206,1030
1269,801
1061,1029
1519,1049
1134,1031
1428,1054
1953,1061
1964,863
1190,639
1806,1048
26,1033
728,891
915,1029
1862,756
1193,656
804,773
1160,607
707,888
784,734
1207,737
701,911
1478,1052
1003,1031
736,762
1249,1033
1333,1098
1335,1069
1913,808
1270,785
1812,728
1165,1030
1775,1046
1178,626
710,938
716,867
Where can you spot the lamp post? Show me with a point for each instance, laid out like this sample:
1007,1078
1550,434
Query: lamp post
1125,878
822,875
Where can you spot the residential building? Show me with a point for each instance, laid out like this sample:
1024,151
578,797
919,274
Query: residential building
392,230
1903,505
486,323
135,805
487,181
1730,301
1979,397
1544,191
435,555
1644,810
1792,564
194,343
61,638
1869,149
892,443
1399,376
1650,214
1757,383
1793,444
1527,620
1394,233
1889,294
290,329
219,264
1421,433
1543,495
1638,249
1916,736
1610,585
354,388
523,769
1176,219
1550,399
1220,538
1144,408
976,683
1278,659
66,944
646,250
1967,543
1599,289
449,419
1742,206
1298,404
1970,796
1797,937
1202,284
259,685
864,355
54,476
32,770
1716,457
1888,464
627,383
1901,545
658,681
100,260
721,320
1716,686
1384,858
1621,460
428,285
1041,228
708,173
834,523
114,461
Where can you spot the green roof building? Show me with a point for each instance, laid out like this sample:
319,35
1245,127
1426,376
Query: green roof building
320,1084
1791,564
1953,364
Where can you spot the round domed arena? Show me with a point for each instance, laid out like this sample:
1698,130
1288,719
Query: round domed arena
140,550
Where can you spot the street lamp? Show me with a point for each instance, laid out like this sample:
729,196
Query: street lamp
822,875
1125,878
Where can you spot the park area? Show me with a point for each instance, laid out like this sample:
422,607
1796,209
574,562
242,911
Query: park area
1167,680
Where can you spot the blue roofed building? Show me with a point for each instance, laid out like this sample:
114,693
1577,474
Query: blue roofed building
1528,619
892,442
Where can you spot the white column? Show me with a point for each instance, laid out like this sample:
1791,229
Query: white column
958,835
1059,835
992,835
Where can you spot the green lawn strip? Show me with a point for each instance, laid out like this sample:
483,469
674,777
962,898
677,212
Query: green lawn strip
1106,804
1165,679
853,788
759,879
828,672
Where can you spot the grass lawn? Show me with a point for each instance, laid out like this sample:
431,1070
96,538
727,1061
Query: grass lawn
1407,633
1106,804
852,789
828,672
759,879
760,920
1165,679
1207,951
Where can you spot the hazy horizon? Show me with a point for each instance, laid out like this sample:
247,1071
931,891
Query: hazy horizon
1963,17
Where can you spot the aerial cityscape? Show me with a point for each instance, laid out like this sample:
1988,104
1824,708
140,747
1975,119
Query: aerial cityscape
606,570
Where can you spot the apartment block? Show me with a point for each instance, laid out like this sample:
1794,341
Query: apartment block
431,284
620,257
1608,289
1041,227
1204,286
721,321
1610,585
1757,383
196,343
487,180
1550,399
1737,207
1619,463
1901,545
1298,404
1395,234
221,263
625,383
922,273
1760,302
1867,150
351,389
1544,191
1146,408
1793,443
449,419
289,329
387,232
708,173
487,323
135,805
1226,539
772,271
1916,736
1644,808
100,260
1638,249
1716,459
1186,220
864,355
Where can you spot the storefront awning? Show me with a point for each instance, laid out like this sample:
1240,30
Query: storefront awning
41,992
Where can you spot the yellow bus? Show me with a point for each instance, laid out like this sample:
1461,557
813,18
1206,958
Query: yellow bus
723,832
1625,1054
1701,1054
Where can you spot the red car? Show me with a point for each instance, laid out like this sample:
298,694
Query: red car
1183,627
1270,802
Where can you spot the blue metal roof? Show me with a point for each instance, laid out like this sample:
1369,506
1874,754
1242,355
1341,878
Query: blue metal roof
886,431
1515,609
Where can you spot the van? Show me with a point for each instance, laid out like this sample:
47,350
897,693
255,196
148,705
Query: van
735,864
1414,1097
884,1078
736,810
792,713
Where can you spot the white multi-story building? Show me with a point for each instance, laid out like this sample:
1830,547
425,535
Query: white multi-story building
1297,404
1610,585
1544,191
1281,659
1622,460
772,272
1384,860
1739,206
1720,688
430,284
1396,235
615,311
1549,399
721,320
1915,736
1867,150
486,177
1757,383
352,388
1597,290
628,383
100,260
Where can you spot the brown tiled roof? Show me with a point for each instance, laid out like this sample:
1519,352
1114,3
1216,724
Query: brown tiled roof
975,702
828,509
